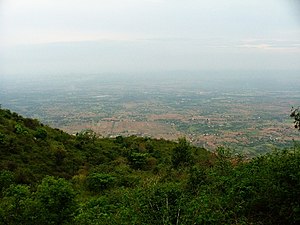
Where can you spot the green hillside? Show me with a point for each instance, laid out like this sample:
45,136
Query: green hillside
50,177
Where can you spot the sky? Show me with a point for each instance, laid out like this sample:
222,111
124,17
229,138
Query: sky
122,36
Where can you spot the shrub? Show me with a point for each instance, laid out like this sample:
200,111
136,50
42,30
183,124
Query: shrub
56,201
41,133
97,182
6,179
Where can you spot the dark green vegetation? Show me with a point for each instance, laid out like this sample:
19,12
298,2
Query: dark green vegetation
296,116
50,177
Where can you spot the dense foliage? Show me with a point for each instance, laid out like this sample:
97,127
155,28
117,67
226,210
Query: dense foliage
50,177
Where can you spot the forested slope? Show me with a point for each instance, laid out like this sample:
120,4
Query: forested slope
50,177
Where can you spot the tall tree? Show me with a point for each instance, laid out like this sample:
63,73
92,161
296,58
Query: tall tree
182,153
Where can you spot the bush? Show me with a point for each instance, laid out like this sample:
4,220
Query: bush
97,182
19,129
181,154
6,179
41,133
15,207
2,137
138,160
160,204
56,201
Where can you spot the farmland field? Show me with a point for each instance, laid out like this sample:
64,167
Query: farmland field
246,115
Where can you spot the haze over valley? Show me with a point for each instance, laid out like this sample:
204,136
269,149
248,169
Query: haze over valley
246,111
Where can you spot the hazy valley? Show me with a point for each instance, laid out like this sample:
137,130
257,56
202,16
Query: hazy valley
237,110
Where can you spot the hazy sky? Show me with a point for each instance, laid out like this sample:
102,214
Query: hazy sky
96,36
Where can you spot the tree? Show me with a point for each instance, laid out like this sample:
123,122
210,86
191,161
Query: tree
56,201
6,179
2,138
182,153
138,160
296,116
41,133
98,182
87,135
160,204
15,205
